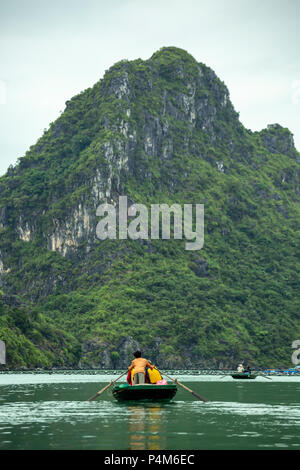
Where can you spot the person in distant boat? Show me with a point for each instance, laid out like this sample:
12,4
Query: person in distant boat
248,371
240,368
139,365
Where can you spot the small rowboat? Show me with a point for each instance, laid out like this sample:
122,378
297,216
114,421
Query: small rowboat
144,392
243,376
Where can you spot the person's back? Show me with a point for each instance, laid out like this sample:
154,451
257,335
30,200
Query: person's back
139,365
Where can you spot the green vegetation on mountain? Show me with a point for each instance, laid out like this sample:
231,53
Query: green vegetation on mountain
159,131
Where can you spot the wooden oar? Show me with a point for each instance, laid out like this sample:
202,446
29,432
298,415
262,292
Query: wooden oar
183,386
106,387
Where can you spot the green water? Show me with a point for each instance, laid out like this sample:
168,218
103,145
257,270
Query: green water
51,411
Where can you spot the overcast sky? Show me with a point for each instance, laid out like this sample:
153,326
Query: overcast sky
52,50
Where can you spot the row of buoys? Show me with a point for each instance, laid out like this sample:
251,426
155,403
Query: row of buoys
60,371
107,371
115,372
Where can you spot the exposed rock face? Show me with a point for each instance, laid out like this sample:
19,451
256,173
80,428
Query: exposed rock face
199,100
100,355
278,140
24,230
68,234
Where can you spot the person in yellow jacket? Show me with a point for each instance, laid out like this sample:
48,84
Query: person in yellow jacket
139,365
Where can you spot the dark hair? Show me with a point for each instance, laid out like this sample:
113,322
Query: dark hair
137,354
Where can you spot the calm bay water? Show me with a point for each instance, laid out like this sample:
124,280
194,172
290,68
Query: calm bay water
51,411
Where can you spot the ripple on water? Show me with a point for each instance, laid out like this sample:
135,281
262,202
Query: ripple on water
249,409
22,413
53,411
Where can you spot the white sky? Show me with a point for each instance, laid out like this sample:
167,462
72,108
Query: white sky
52,50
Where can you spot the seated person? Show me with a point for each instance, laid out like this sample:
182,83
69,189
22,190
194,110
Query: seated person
139,365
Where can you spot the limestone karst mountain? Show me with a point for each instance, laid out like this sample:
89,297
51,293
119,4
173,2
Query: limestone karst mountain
158,131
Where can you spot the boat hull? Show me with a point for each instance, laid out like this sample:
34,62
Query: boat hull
243,376
144,392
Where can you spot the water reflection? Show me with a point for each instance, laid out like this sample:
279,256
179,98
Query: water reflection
145,428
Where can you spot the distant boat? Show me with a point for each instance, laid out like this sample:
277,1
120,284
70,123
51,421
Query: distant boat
144,392
244,376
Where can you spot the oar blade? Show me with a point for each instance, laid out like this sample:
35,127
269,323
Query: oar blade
199,397
99,393
185,387
93,398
